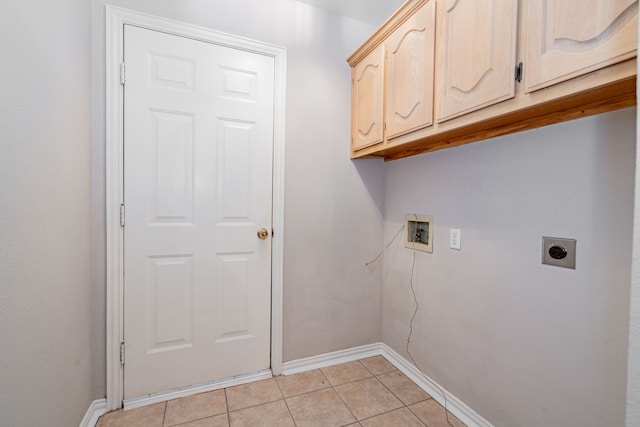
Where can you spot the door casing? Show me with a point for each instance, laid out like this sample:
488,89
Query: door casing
116,18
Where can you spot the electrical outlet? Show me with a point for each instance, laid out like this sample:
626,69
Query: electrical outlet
559,252
455,234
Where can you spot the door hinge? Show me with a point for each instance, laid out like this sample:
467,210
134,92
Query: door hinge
122,215
122,73
122,353
519,72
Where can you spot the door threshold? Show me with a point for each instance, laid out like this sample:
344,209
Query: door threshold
163,396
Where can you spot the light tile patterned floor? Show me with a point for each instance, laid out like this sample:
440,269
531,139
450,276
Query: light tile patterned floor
369,393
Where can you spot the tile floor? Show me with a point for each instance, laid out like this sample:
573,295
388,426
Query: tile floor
368,393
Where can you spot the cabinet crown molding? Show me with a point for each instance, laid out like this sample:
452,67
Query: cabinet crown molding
389,26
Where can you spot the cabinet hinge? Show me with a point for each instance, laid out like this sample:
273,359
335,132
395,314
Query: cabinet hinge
519,72
122,73
122,215
122,353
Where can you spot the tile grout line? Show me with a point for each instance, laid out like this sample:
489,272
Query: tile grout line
385,412
389,390
416,415
286,403
443,410
329,384
340,397
401,401
226,405
164,413
345,405
391,410
373,375
254,406
398,397
347,382
195,419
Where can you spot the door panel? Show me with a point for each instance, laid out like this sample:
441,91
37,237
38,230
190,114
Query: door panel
233,298
410,65
170,306
569,38
367,97
173,147
198,141
234,170
475,62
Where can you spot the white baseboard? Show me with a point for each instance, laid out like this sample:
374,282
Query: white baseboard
201,388
96,410
330,359
456,406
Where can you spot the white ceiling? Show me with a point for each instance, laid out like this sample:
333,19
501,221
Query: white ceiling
372,11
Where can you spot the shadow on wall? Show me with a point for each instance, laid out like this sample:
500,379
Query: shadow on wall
371,172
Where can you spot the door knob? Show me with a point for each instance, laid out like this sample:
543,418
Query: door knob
263,233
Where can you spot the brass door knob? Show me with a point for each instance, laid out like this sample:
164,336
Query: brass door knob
263,233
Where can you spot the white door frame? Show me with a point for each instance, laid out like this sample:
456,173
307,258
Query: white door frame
116,18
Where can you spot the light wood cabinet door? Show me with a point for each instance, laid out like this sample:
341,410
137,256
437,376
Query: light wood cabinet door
569,38
410,61
476,54
367,119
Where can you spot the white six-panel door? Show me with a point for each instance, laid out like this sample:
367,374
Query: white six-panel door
198,140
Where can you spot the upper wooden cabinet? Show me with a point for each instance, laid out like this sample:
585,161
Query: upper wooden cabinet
578,58
409,88
476,54
367,118
569,38
392,77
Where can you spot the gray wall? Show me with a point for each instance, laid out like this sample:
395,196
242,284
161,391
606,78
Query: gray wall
522,343
333,213
45,359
